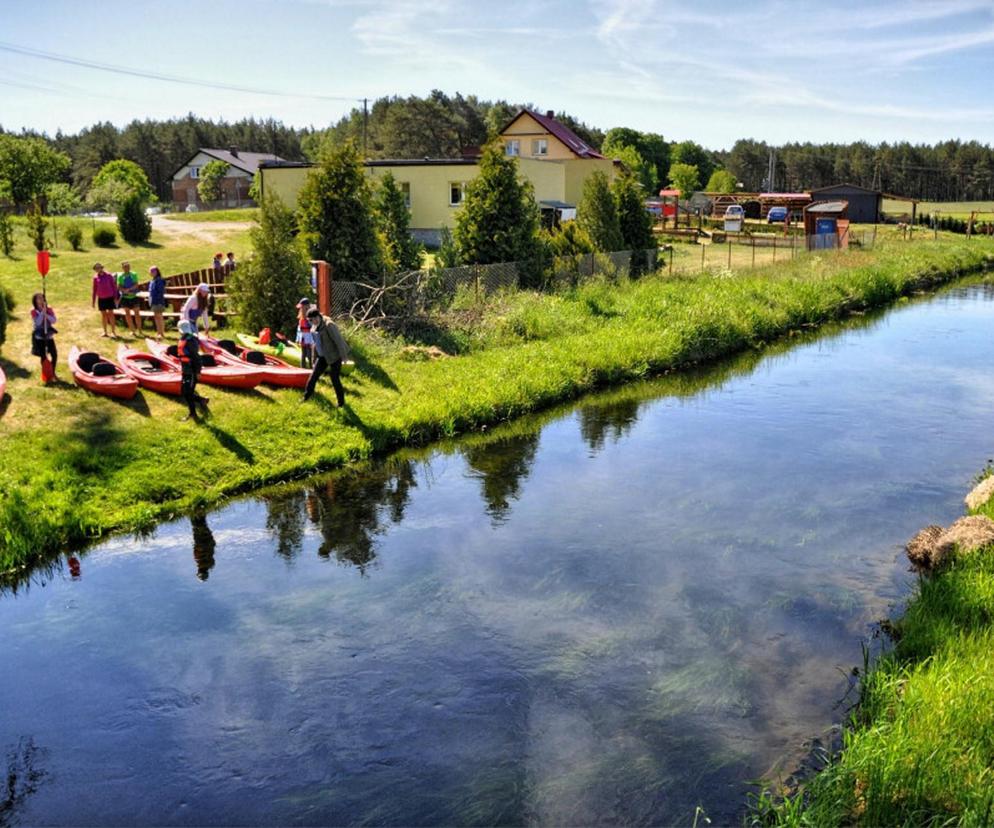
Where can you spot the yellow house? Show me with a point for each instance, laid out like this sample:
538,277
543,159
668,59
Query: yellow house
549,155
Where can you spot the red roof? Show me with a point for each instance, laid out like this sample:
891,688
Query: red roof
669,193
573,141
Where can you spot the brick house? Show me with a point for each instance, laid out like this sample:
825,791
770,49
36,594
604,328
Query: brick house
242,167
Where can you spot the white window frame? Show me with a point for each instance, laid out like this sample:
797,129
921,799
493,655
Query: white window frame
405,189
462,192
194,172
512,147
540,146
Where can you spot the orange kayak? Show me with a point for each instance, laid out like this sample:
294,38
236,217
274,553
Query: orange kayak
214,372
101,376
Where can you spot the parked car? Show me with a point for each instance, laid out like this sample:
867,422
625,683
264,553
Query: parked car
734,211
776,214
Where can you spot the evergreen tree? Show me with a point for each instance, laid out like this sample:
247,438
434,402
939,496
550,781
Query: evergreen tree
266,288
634,220
394,219
597,214
336,218
37,225
447,254
135,226
499,219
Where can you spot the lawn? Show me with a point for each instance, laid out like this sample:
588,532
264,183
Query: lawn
73,465
950,209
239,214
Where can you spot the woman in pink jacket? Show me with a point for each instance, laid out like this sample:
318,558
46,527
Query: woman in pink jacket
105,296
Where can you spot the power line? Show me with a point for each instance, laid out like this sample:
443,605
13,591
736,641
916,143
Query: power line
139,73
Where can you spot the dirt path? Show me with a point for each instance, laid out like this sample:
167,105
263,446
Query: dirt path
207,231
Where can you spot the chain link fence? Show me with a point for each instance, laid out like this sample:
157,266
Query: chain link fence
416,292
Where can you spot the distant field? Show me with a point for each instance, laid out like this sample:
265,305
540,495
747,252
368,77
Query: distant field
953,209
240,214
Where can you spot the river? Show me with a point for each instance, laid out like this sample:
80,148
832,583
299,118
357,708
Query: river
615,612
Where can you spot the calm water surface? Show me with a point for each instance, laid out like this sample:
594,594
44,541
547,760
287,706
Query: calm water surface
610,614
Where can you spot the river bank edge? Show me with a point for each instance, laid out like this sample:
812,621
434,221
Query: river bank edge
917,747
31,535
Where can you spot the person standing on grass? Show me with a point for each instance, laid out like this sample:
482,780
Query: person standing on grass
196,306
305,337
127,286
43,333
157,300
188,351
229,262
329,351
105,296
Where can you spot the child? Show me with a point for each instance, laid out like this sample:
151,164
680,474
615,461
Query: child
157,300
43,336
229,263
196,307
127,286
305,339
189,357
105,295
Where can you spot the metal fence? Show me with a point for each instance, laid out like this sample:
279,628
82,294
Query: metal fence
416,292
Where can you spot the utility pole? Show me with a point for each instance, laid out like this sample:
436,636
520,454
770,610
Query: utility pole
365,125
771,174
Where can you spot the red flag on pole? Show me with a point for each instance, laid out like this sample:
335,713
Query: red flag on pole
43,262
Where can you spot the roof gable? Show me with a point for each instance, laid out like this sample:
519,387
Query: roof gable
246,161
573,142
850,187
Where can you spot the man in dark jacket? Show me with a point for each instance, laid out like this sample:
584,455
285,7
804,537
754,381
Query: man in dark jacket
188,351
329,352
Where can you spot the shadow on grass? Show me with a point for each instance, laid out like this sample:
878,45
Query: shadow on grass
4,404
372,370
231,443
96,447
428,332
139,405
13,370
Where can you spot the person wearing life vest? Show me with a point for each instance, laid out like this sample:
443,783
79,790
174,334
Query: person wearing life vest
188,351
330,350
305,337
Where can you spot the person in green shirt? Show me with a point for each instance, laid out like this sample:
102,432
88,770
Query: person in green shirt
127,285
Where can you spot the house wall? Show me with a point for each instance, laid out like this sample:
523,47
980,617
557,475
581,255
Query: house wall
578,170
526,128
284,182
864,207
430,209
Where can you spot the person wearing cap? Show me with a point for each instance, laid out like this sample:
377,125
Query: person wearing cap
105,296
330,350
305,339
127,286
196,306
188,351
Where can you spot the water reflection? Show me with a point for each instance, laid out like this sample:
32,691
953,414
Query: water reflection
203,544
285,519
599,422
352,509
24,774
501,464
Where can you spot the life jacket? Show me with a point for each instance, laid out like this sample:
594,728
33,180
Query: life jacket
305,325
184,355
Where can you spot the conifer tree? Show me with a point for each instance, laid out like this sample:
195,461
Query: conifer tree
597,214
336,218
634,221
394,219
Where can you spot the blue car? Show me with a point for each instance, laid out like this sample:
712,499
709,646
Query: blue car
776,214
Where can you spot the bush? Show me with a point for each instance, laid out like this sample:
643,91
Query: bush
74,235
8,297
134,225
6,233
266,289
3,316
104,236
37,225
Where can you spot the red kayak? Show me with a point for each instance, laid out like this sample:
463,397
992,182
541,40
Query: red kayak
277,371
214,372
150,371
101,376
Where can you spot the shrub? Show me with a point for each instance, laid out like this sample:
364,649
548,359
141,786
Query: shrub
3,316
6,233
447,254
394,220
104,236
74,235
37,225
134,225
8,297
597,213
266,289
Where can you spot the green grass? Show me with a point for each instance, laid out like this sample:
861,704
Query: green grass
951,209
74,466
238,214
920,750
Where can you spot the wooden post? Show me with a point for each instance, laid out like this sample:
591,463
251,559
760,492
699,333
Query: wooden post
753,251
729,254
935,225
671,260
321,272
774,248
703,248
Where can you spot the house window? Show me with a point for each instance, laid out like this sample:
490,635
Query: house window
512,147
540,146
405,189
457,191
194,172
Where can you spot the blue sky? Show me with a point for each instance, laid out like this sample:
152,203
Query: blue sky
780,71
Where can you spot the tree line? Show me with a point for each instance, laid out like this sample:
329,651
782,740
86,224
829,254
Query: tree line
448,126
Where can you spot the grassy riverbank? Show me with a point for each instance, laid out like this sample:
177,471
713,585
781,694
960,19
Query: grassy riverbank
921,748
73,466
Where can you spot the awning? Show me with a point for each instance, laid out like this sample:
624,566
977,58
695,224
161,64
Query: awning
556,205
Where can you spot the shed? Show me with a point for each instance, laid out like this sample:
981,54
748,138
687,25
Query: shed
864,205
826,225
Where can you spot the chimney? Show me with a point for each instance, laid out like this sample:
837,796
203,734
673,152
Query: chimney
233,151
550,114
